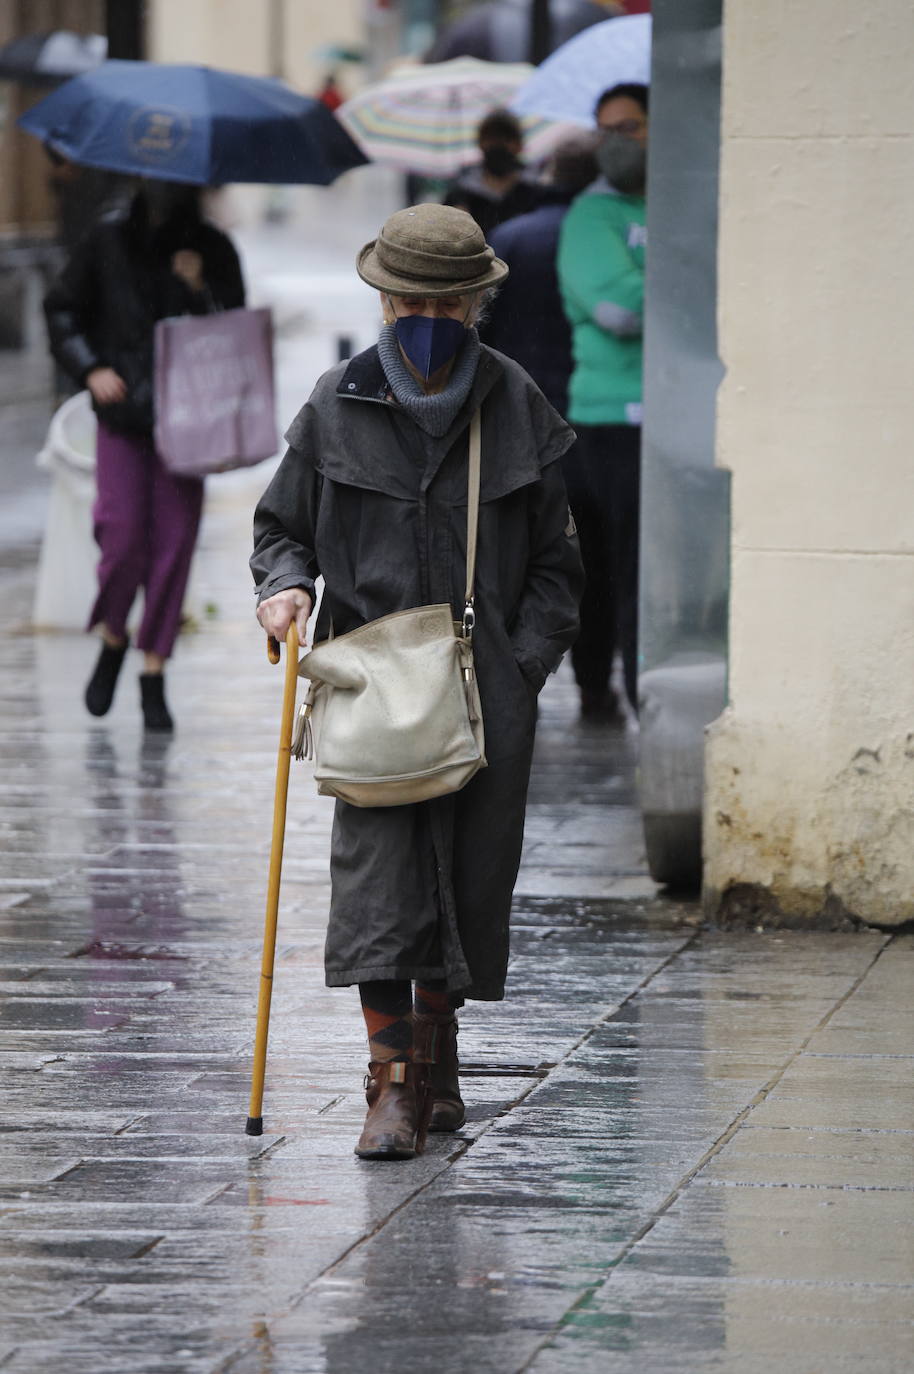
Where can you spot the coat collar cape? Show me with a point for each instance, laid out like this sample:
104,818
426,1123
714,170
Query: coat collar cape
500,387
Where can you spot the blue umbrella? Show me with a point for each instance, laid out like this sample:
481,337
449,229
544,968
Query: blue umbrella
192,124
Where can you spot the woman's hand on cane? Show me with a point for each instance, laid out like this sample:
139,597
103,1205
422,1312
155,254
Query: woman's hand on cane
277,613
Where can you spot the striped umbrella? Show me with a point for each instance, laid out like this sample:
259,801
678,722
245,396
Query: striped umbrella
423,119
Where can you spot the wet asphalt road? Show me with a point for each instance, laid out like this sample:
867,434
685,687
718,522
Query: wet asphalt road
686,1150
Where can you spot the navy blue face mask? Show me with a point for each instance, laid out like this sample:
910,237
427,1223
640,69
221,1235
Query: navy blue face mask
429,343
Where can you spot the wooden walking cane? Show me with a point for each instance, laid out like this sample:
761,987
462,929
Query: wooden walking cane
255,1118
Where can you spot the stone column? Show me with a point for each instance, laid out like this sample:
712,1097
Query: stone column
810,771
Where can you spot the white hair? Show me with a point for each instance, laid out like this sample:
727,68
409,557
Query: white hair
481,304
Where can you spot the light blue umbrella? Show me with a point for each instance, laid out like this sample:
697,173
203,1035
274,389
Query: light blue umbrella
568,84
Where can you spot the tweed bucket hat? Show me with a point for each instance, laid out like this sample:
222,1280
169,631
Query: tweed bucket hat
430,250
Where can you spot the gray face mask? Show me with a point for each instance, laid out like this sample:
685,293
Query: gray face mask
623,162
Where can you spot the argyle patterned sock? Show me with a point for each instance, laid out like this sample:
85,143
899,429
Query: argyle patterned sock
432,999
387,1007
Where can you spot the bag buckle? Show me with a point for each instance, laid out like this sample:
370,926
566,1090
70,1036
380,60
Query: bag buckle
469,620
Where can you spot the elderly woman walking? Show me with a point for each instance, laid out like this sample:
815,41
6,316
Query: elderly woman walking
372,496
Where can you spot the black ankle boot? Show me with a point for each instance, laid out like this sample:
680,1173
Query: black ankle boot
156,715
101,685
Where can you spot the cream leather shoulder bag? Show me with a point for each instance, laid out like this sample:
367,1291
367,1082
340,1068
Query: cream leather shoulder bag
392,713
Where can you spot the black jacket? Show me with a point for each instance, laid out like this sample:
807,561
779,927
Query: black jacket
469,192
526,319
102,310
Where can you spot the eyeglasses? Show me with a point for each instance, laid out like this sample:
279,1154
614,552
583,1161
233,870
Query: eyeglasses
629,127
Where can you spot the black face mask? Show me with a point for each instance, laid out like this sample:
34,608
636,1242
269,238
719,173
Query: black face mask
623,162
166,200
500,161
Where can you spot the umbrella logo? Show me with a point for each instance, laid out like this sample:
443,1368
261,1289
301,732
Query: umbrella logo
157,133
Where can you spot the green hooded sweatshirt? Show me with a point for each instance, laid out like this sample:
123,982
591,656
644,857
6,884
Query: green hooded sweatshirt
601,277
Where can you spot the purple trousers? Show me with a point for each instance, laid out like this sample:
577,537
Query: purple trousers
146,522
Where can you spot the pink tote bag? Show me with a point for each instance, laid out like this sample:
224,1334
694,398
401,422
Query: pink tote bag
214,396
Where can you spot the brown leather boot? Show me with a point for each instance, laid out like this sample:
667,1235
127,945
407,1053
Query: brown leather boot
398,1108
435,1041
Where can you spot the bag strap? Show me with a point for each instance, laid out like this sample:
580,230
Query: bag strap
475,466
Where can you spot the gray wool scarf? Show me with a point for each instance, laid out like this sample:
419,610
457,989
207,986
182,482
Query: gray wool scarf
433,414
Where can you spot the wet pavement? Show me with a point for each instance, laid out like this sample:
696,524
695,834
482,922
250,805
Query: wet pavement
686,1150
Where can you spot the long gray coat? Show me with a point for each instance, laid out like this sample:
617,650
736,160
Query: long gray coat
368,500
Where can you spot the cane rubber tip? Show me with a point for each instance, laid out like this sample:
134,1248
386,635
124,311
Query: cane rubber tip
254,1126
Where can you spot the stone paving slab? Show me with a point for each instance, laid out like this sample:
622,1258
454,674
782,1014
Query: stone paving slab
645,1322
810,1234
797,1157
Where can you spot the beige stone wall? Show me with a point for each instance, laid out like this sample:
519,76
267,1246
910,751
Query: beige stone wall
237,34
26,202
810,772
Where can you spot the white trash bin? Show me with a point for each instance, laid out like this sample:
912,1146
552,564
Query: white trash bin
66,570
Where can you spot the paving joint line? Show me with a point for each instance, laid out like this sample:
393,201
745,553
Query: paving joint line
334,1102
467,1144
848,1130
810,1187
723,1140
269,1149
134,1121
145,1249
71,1169
80,1302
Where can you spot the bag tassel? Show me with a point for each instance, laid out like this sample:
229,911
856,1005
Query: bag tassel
469,688
303,739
